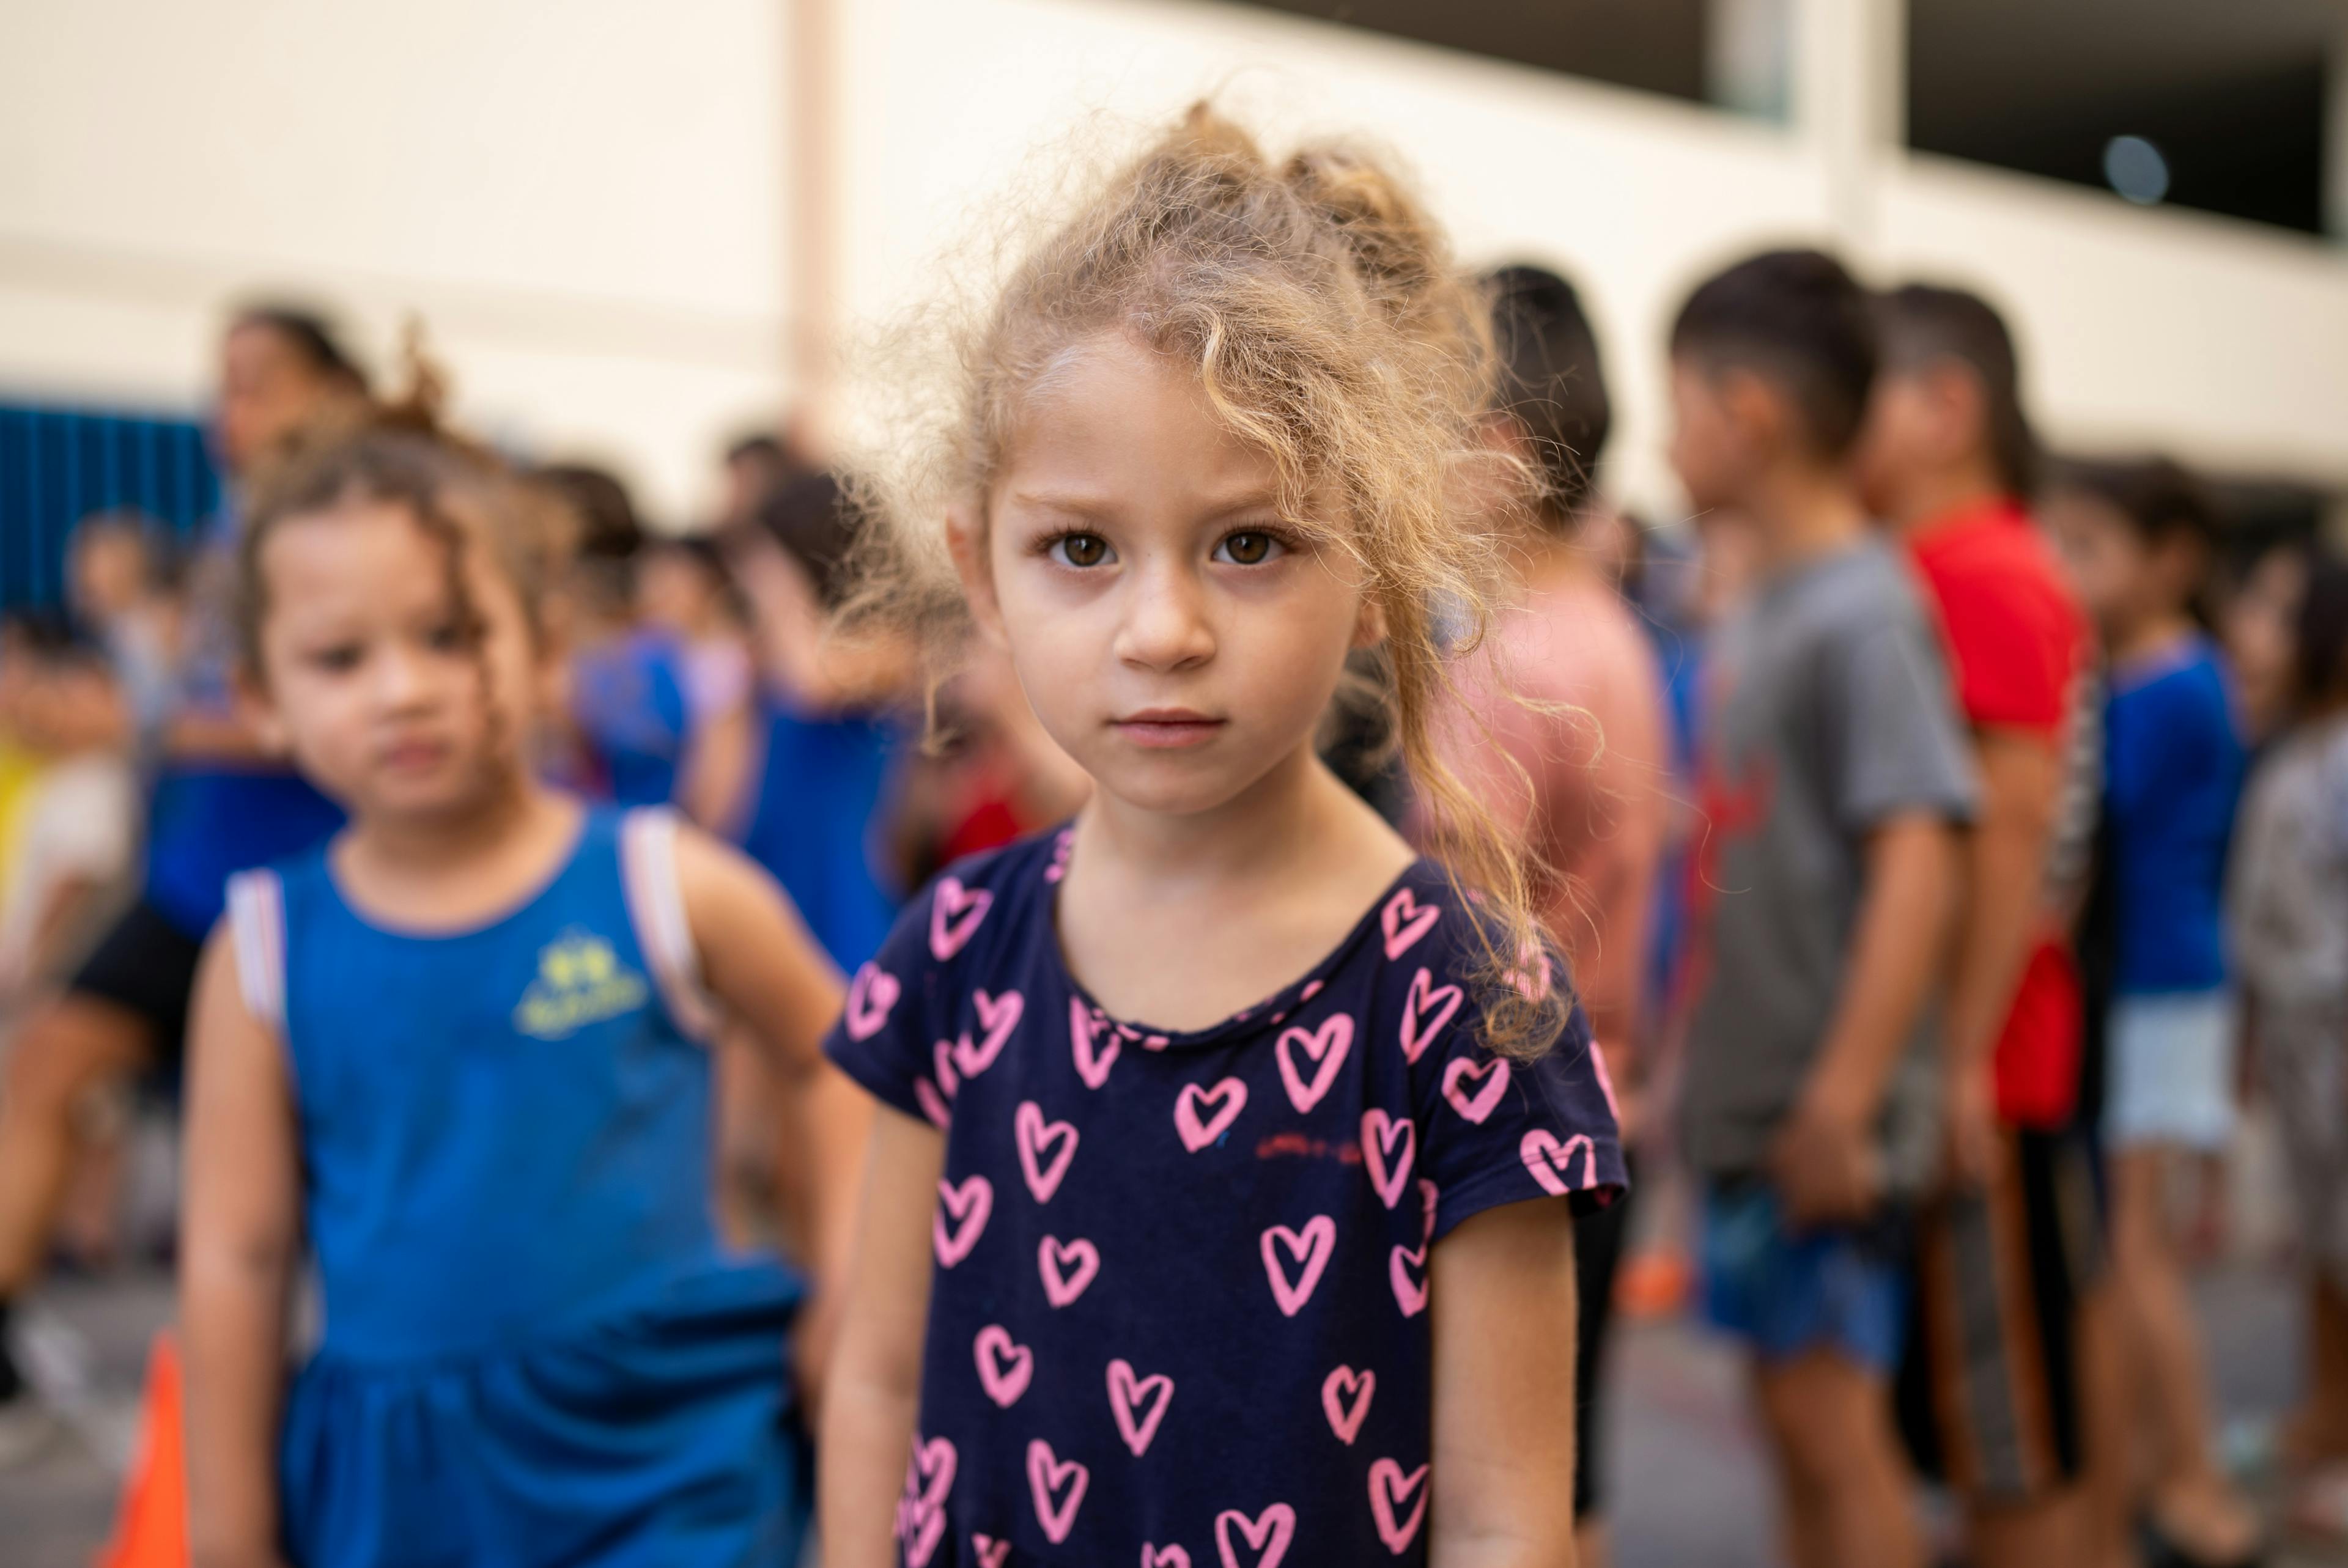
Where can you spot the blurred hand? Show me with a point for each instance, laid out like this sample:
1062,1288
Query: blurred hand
1824,1163
1968,1136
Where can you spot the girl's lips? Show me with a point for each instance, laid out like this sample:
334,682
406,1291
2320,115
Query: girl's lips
1163,728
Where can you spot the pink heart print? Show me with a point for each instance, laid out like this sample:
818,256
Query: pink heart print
1059,1488
969,1202
942,1059
1389,1486
1345,1396
1605,1080
1530,973
1405,920
1267,1536
1475,1106
1164,1557
1096,1045
1424,1012
1004,1366
1326,1045
954,913
1066,1267
928,1479
997,1017
992,1553
1310,1247
932,1104
1140,1404
1407,1272
1548,1159
870,996
1427,1194
1035,1134
1228,1098
1389,1144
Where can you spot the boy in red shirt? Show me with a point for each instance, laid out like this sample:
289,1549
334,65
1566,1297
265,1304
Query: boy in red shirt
1990,1395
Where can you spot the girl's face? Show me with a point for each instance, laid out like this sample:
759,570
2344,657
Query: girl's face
2123,580
368,675
1175,636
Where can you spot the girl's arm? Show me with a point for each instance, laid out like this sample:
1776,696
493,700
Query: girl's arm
758,958
868,1426
1502,1297
239,1231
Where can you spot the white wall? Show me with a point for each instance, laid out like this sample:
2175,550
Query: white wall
583,198
2225,342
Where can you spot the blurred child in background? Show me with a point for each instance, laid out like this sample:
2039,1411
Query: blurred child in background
2007,1243
458,1052
221,802
1836,779
1304,1232
1564,742
2290,920
2138,538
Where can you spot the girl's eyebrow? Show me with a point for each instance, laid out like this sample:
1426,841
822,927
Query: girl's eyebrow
1091,507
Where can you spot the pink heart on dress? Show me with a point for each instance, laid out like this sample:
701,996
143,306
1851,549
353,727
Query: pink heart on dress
1034,1134
1405,920
932,1104
1345,1400
1424,1012
942,1056
992,1553
1389,1486
1547,1159
1427,1195
997,1017
1310,1247
1605,1080
1059,1488
1005,1366
1127,1396
1267,1536
925,1526
1327,1046
1389,1144
1164,1557
870,996
1494,1074
1228,1098
922,1513
954,913
1062,1282
1530,973
1095,1048
969,1202
1407,1272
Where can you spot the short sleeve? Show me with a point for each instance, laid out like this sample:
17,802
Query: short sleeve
1500,1130
1893,739
881,1038
2015,654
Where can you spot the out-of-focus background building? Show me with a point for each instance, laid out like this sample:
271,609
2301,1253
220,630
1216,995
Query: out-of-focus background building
633,230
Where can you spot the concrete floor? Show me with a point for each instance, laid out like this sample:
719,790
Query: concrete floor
1687,1484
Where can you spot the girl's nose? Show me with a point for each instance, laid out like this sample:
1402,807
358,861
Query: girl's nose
1165,625
402,679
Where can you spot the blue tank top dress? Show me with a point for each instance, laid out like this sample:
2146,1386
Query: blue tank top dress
810,824
629,702
535,1348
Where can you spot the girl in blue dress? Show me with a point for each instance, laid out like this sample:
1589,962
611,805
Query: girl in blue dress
1219,1210
457,1051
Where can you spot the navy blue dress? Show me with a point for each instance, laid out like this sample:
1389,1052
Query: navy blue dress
1178,1307
535,1349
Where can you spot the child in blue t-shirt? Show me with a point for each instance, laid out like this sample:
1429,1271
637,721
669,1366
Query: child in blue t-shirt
1220,1210
460,1051
2138,538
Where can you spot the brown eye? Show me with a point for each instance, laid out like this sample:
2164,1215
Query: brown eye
1081,550
1248,548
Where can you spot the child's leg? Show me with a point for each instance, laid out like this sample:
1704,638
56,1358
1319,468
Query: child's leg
1847,1499
2190,1498
2108,1535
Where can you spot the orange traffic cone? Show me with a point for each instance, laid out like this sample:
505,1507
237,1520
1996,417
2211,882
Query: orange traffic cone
151,1531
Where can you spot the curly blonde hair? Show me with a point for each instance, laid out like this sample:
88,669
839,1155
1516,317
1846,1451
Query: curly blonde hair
1333,330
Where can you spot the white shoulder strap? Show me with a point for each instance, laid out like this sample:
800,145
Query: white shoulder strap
656,908
256,924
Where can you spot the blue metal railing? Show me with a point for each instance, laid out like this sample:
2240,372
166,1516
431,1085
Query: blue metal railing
60,465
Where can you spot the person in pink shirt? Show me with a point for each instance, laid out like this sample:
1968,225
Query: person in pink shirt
1567,743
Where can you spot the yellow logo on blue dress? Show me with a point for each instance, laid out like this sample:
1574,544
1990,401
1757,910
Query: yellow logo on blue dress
580,981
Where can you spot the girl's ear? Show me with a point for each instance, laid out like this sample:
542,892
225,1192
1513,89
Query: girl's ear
253,703
1370,624
966,538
